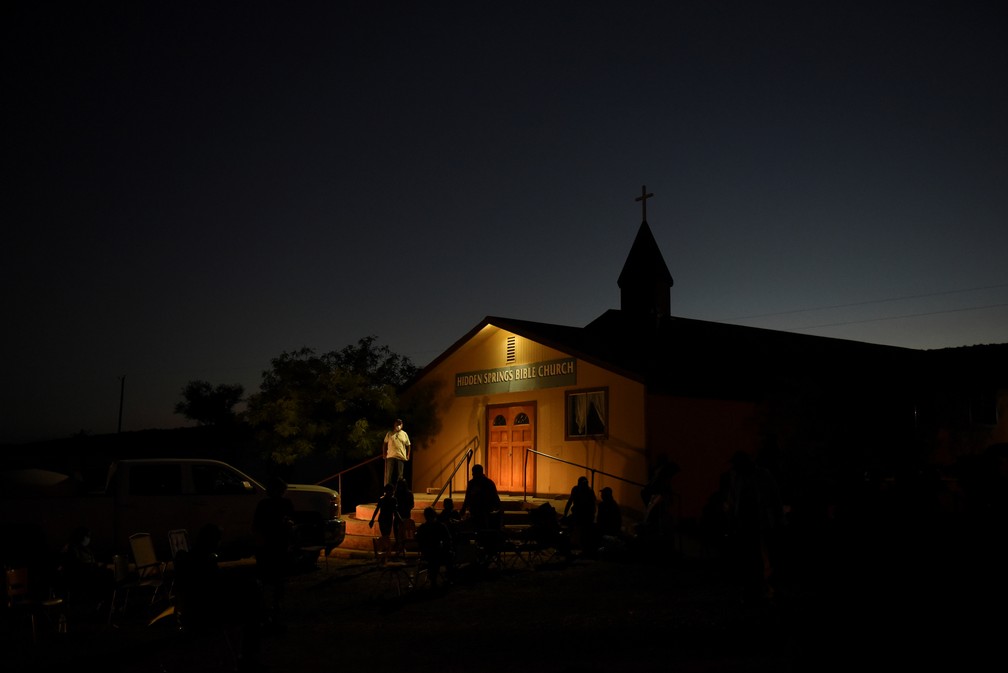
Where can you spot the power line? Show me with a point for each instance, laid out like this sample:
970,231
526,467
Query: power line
877,301
896,317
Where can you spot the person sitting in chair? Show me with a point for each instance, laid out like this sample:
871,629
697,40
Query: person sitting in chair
207,599
84,581
435,544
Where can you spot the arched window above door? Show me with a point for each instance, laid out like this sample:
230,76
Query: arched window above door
521,419
499,420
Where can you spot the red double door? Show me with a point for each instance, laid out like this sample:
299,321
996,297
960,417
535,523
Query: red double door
510,432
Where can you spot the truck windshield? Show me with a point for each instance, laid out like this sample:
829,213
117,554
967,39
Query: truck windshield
218,480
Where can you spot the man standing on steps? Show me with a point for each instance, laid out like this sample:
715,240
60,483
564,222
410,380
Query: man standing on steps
395,451
482,501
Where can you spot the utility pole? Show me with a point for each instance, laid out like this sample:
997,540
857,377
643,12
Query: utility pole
122,392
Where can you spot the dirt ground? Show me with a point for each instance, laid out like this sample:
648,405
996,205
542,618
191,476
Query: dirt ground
560,615
657,611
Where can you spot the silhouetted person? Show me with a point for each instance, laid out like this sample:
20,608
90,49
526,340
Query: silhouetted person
755,511
985,520
983,479
482,501
609,522
273,525
610,516
579,513
659,498
386,512
404,526
207,598
435,543
544,530
544,525
85,581
714,519
450,516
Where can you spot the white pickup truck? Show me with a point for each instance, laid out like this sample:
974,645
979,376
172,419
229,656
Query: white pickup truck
155,496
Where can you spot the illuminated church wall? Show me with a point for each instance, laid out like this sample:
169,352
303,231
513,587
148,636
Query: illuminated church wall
479,374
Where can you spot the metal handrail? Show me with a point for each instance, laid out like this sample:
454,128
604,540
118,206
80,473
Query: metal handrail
675,496
468,451
344,471
587,467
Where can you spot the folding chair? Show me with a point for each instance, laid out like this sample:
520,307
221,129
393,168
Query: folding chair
178,539
150,571
518,553
21,597
390,569
490,546
544,539
417,571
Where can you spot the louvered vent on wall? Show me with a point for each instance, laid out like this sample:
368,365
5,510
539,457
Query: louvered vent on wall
510,349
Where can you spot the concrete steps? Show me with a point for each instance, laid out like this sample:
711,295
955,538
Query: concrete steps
358,541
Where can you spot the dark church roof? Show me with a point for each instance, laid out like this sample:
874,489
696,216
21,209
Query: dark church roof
683,356
698,358
644,263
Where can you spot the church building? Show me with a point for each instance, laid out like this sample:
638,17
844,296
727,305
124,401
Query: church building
539,405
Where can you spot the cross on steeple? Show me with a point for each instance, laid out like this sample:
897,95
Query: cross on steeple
644,196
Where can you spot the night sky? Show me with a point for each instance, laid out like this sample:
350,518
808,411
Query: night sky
192,189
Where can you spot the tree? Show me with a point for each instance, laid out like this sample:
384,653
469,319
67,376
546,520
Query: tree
210,405
338,403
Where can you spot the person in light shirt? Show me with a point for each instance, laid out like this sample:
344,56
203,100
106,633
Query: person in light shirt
396,452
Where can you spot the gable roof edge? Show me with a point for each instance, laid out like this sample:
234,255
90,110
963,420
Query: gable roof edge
525,329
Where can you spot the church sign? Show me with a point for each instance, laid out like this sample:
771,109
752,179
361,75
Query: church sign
516,378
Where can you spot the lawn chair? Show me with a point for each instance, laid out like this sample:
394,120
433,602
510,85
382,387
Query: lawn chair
149,575
178,539
544,538
22,597
391,570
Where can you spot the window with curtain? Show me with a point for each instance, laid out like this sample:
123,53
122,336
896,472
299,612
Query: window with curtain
587,411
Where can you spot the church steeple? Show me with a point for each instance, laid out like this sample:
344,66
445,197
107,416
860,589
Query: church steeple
645,282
